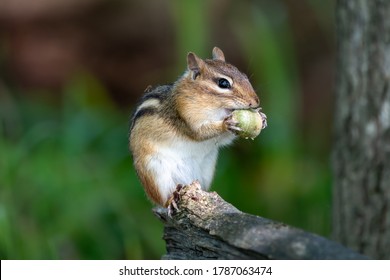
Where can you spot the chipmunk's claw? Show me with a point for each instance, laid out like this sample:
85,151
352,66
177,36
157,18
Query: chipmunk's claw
231,124
173,200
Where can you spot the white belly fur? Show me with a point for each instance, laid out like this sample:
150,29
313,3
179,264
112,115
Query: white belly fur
184,161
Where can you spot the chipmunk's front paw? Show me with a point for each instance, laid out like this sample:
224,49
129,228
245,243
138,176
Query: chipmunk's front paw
231,124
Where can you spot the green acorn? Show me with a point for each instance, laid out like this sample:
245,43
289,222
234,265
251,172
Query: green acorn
251,122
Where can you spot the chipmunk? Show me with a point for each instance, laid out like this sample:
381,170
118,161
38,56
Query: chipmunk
176,129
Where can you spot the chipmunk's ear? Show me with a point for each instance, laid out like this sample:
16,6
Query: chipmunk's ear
194,64
218,54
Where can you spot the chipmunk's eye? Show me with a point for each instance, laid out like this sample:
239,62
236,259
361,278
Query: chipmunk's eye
223,83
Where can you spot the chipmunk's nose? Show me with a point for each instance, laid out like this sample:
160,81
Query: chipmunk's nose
255,102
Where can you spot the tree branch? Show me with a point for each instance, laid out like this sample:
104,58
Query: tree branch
207,227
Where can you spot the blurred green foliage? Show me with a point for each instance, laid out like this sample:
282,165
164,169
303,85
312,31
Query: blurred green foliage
67,186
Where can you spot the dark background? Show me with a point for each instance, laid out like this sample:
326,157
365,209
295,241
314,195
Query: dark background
70,74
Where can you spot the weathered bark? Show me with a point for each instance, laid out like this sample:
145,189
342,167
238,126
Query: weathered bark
207,227
361,158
